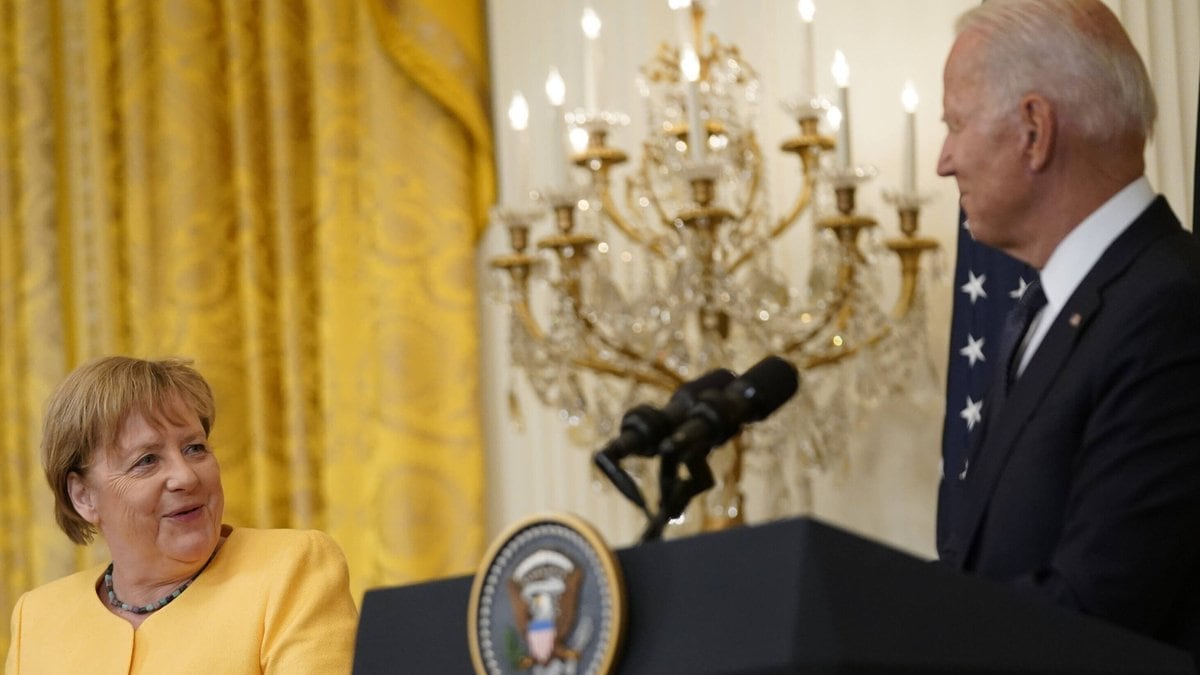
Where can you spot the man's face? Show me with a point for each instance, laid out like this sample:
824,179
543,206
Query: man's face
983,150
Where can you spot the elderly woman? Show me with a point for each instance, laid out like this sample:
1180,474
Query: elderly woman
125,449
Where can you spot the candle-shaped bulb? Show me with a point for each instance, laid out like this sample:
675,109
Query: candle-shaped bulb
684,20
841,75
909,98
807,9
518,112
518,118
590,23
834,117
690,64
578,138
808,73
591,58
840,69
556,89
697,134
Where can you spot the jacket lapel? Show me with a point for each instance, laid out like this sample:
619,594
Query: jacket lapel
1013,408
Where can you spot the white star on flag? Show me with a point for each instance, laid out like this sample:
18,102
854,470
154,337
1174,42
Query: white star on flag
974,350
974,286
1019,291
973,413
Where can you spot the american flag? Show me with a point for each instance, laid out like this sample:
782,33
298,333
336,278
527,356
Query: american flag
987,283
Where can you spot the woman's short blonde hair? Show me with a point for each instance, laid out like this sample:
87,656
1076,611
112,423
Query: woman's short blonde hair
85,414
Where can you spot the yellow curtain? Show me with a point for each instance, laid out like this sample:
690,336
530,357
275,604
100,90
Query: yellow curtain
287,191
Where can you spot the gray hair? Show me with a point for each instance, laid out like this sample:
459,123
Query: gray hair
1073,52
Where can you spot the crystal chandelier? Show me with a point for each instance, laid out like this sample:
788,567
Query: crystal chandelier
647,273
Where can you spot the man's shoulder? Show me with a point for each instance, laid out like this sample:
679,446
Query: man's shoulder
1171,260
1154,254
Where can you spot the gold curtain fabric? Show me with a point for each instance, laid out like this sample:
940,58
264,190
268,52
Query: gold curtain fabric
287,191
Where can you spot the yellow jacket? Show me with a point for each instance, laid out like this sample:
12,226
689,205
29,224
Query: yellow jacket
271,601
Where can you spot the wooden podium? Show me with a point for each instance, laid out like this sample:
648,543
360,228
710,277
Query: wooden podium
794,596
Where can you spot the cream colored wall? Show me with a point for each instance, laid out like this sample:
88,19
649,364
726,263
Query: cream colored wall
886,489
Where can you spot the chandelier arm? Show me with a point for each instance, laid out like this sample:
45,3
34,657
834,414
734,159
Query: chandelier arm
755,181
798,344
617,218
745,211
842,353
658,375
525,315
909,250
907,297
666,377
837,308
653,378
803,200
644,170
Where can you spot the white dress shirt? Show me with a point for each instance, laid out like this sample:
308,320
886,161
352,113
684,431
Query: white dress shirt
1075,256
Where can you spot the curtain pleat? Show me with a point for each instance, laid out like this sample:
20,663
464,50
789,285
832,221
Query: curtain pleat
266,187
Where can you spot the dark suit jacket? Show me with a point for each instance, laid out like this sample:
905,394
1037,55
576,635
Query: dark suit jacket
1084,482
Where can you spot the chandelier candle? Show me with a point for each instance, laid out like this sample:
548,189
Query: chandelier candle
808,75
556,92
909,99
683,19
591,57
841,75
690,65
518,119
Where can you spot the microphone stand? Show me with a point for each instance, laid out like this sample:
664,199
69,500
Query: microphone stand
622,481
675,494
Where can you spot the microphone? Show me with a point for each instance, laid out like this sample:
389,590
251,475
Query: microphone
719,414
643,427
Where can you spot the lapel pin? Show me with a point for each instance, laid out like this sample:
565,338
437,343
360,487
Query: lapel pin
1075,320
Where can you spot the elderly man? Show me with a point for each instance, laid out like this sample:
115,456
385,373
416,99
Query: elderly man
1082,484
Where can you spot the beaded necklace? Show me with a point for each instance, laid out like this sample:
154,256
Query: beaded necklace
157,604
140,609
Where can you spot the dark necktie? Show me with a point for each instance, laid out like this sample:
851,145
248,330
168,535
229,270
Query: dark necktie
1016,324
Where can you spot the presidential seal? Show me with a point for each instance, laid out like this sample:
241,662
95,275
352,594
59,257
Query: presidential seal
548,599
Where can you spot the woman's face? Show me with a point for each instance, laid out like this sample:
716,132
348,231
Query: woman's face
156,497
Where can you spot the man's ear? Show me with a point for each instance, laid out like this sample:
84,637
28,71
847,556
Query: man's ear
1040,130
82,497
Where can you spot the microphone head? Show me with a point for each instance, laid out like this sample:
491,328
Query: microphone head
720,414
689,392
767,385
643,427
